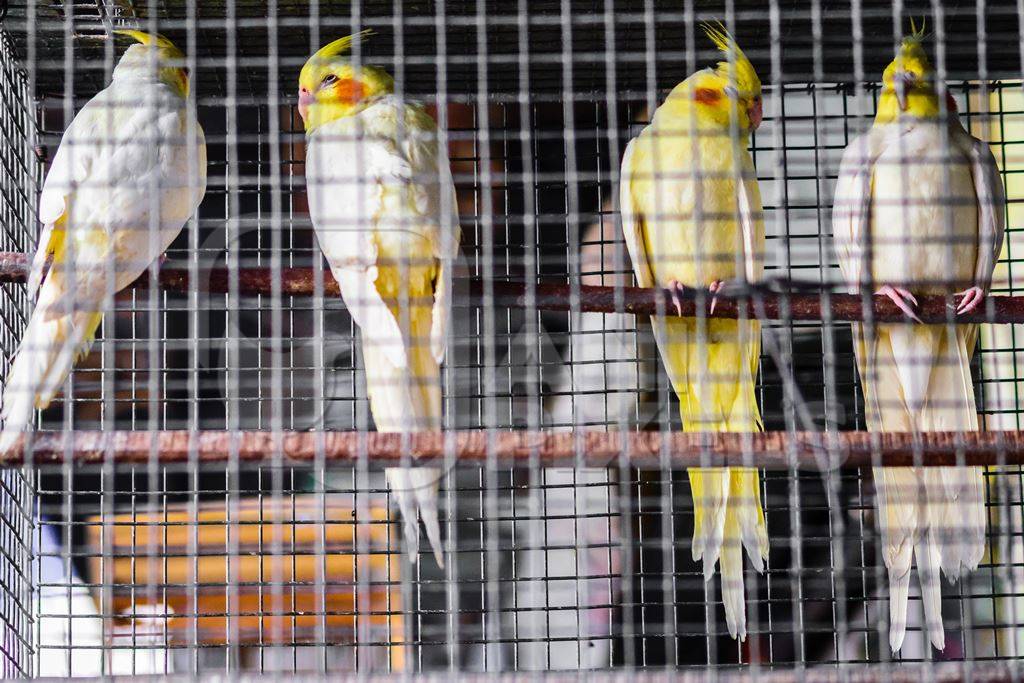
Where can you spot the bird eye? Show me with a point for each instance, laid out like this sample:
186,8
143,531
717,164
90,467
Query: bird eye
328,79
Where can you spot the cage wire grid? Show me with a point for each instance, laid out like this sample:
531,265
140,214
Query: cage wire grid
186,564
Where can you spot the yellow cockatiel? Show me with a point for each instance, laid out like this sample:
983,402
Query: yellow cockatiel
919,208
691,215
382,201
133,148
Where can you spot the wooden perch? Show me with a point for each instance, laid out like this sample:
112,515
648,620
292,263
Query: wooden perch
586,298
591,448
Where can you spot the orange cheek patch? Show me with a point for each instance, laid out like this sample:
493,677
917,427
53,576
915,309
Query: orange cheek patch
707,96
348,90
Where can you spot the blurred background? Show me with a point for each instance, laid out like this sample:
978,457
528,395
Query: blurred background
554,568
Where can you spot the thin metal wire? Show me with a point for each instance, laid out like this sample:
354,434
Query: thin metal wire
290,564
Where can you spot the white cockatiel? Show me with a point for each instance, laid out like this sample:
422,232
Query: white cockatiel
928,198
382,201
129,172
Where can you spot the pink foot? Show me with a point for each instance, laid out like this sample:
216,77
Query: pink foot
714,288
900,297
971,298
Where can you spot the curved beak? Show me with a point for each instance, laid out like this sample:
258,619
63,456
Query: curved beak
902,82
306,98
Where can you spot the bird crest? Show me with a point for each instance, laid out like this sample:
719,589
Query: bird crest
917,34
911,50
337,47
736,69
150,39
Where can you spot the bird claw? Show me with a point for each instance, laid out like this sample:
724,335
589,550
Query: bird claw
972,296
675,287
735,289
900,297
715,288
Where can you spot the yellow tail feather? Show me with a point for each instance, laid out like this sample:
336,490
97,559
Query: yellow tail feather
715,384
727,518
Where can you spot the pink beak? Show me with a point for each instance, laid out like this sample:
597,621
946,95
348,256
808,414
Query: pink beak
306,98
755,114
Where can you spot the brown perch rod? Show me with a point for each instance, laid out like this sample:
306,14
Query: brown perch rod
770,450
598,299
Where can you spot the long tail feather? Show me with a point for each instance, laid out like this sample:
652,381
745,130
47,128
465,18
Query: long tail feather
728,518
710,489
918,378
745,504
416,489
733,590
899,597
898,495
727,505
408,399
957,514
48,352
425,483
399,485
934,516
927,553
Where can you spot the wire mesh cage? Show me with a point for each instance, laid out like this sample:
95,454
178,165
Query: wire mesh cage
210,488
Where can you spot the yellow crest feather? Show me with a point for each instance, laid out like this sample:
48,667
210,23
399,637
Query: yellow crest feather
338,46
916,33
720,36
151,39
147,38
742,73
912,47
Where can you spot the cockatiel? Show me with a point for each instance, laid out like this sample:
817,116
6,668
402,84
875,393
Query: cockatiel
691,215
919,209
132,149
382,202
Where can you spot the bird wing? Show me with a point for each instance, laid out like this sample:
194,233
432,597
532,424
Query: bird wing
751,218
988,186
633,222
340,203
851,209
446,255
103,177
71,166
432,200
380,181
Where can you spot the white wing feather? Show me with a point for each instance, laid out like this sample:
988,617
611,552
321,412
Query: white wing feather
751,223
345,197
988,185
631,228
851,209
446,255
111,159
